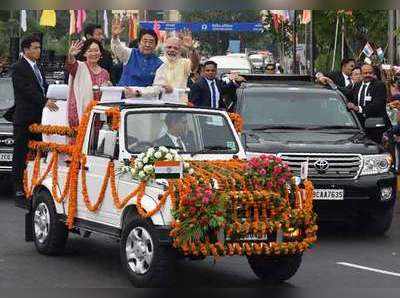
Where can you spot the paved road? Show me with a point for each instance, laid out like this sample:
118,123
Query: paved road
94,262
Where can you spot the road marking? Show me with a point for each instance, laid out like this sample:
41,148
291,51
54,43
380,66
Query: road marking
369,269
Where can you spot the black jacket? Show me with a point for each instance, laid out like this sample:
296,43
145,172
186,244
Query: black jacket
200,95
374,108
166,141
29,97
337,78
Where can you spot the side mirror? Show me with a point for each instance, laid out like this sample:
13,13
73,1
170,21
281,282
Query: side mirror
374,123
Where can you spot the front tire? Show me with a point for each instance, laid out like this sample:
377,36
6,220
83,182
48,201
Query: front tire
49,233
274,269
147,262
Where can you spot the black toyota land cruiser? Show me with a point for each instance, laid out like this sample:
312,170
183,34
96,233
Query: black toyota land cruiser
298,120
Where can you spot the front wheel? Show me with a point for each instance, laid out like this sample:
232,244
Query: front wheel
275,269
49,233
147,262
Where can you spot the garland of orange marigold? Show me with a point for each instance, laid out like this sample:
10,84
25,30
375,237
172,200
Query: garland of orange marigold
237,121
265,211
52,130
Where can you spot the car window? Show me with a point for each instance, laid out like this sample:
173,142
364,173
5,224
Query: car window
6,91
186,132
295,108
98,132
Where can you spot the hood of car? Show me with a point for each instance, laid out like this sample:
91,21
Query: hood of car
325,141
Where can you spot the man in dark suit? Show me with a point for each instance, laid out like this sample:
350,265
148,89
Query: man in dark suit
368,99
340,78
30,87
209,91
177,135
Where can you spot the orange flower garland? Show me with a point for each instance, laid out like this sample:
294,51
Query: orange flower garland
115,115
251,209
237,121
52,130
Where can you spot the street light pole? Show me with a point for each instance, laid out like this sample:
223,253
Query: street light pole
391,41
295,64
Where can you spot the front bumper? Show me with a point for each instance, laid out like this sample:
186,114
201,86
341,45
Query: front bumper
362,195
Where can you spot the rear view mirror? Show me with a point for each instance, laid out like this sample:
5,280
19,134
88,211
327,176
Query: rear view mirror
374,123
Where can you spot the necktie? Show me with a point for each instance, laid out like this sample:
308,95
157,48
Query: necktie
38,75
213,96
362,95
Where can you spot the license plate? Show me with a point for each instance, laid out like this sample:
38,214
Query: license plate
6,156
328,194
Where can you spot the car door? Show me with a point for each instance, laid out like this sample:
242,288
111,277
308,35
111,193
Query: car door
95,170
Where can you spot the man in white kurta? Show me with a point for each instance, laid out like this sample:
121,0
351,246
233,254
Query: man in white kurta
173,74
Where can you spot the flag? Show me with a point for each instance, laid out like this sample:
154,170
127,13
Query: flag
105,18
23,20
48,18
168,169
80,19
306,17
380,53
368,50
72,22
156,27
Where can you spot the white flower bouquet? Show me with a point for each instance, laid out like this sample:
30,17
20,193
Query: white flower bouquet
143,167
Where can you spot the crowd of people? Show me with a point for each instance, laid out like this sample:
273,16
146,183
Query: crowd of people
89,66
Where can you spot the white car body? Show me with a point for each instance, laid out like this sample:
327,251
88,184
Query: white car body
108,214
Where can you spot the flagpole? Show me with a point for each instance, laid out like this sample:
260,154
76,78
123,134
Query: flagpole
335,46
312,42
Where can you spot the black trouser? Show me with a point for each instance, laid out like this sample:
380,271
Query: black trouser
21,139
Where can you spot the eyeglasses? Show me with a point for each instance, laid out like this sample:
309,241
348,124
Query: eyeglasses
172,47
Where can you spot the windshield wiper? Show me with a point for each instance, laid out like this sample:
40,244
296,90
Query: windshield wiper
333,127
266,127
209,149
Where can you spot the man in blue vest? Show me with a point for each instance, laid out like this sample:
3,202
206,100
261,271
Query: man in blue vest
140,64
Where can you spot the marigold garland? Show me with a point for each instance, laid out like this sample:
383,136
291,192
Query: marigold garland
52,130
237,121
220,195
115,115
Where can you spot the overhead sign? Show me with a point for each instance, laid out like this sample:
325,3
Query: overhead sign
198,27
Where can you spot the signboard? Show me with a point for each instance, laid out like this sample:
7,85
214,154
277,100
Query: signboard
205,27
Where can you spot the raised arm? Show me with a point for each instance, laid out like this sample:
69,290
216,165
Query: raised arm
120,51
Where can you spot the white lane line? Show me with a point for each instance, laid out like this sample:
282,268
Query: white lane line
369,269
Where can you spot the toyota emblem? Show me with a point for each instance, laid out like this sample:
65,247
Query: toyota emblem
322,165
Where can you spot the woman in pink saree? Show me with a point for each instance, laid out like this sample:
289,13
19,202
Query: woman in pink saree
83,76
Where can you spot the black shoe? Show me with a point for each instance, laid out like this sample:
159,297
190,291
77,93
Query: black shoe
20,199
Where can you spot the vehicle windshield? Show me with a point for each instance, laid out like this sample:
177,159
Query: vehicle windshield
295,109
6,97
187,132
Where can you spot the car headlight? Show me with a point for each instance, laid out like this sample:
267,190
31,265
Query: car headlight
376,164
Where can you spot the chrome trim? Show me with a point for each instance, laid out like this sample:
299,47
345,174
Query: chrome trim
360,156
